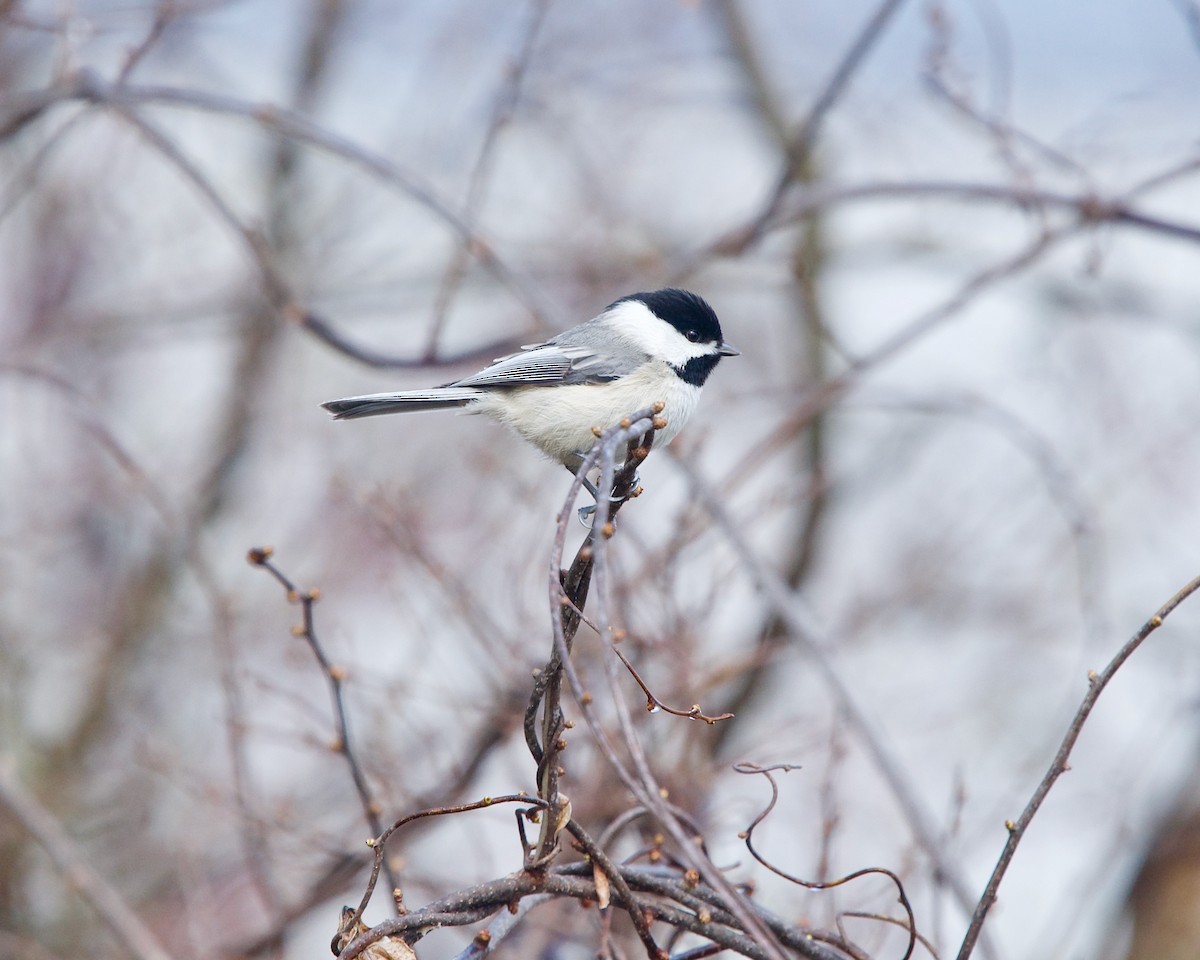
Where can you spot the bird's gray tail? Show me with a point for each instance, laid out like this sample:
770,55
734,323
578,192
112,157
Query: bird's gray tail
405,401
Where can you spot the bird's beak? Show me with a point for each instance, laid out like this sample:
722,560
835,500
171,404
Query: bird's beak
728,350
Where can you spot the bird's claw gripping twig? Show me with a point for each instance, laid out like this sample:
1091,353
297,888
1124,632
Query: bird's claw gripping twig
588,511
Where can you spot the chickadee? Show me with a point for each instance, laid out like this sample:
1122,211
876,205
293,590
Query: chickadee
644,348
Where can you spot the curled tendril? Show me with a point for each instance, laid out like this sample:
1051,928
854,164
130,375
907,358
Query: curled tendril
748,836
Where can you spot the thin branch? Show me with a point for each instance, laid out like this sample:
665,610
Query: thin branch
1089,208
1002,133
805,137
89,86
895,921
335,677
1058,766
492,935
22,180
653,704
165,14
503,109
275,286
481,901
324,331
699,953
378,844
709,906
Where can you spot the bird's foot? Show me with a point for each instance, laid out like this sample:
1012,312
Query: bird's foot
587,512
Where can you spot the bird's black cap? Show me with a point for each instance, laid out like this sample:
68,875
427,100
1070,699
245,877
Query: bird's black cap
684,310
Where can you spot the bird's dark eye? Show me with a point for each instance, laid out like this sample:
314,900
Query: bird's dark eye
692,335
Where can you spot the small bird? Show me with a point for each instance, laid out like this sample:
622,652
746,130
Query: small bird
642,349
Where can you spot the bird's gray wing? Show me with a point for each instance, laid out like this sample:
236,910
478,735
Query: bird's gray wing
555,363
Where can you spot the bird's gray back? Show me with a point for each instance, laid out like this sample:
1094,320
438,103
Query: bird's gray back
573,357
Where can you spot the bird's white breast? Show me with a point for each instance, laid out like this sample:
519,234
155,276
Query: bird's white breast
559,420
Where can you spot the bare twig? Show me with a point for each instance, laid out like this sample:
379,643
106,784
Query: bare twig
335,678
275,286
378,844
21,180
504,107
1058,766
324,331
1089,208
165,13
805,137
1002,133
494,933
895,921
699,953
89,86
708,917
653,703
